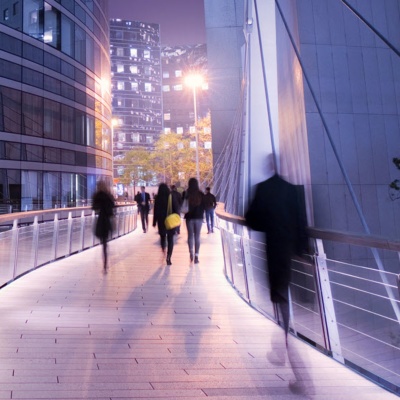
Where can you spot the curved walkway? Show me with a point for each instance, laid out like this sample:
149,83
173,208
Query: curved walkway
144,330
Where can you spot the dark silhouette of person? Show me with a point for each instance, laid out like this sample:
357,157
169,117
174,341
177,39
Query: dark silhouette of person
194,218
210,202
178,200
159,215
143,201
277,211
103,204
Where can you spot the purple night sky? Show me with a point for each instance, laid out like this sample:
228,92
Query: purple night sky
181,21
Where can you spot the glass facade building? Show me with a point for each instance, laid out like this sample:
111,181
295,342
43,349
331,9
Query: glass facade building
55,102
136,86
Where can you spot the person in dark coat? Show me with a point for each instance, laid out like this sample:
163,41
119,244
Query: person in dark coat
103,204
159,215
143,202
194,218
210,203
178,200
276,210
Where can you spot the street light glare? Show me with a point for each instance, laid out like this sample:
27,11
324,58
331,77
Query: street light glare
194,80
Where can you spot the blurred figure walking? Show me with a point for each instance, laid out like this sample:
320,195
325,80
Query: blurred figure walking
210,203
103,204
160,213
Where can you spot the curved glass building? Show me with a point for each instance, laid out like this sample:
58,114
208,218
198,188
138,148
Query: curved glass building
55,103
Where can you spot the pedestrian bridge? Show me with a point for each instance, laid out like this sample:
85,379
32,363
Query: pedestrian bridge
141,329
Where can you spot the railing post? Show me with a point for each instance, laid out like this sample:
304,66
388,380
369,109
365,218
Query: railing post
35,240
248,268
55,235
14,249
82,229
326,303
69,232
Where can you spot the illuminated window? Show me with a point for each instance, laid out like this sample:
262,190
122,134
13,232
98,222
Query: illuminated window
149,139
178,73
165,74
178,88
147,87
133,52
6,14
167,117
120,68
179,129
165,88
167,130
121,137
146,54
192,129
120,85
120,51
135,137
133,69
135,86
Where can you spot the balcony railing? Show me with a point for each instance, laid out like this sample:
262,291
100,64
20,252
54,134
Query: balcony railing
31,239
344,298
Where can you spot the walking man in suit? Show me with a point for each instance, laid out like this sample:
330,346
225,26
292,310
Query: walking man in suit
143,202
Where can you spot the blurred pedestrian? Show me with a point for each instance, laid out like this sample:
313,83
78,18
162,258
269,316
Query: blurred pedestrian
160,213
143,201
210,202
178,200
194,218
103,204
276,211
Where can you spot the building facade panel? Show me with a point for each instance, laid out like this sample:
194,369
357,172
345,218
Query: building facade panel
55,103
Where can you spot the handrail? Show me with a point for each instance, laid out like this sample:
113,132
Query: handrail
377,242
30,215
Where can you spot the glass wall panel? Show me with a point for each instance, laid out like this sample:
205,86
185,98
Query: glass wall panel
67,123
32,108
90,130
67,190
31,195
52,26
51,190
11,14
89,52
33,18
81,190
52,120
32,153
13,151
80,123
67,37
80,45
52,155
10,110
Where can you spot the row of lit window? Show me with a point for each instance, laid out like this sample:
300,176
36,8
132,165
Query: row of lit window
134,86
130,52
134,138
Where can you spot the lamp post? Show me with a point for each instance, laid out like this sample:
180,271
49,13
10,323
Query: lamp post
194,81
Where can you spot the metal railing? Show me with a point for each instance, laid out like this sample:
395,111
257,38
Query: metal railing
31,239
344,298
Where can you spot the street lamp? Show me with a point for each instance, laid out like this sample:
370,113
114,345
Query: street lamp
194,81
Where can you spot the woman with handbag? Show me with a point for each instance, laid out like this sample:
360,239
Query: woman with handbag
164,205
194,217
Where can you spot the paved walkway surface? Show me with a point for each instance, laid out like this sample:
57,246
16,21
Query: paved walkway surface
144,330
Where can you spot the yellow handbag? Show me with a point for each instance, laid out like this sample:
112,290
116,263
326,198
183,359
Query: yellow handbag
173,220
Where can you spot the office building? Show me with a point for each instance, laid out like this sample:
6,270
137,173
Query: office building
136,87
178,104
55,103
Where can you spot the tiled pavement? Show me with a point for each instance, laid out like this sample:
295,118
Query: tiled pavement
144,330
